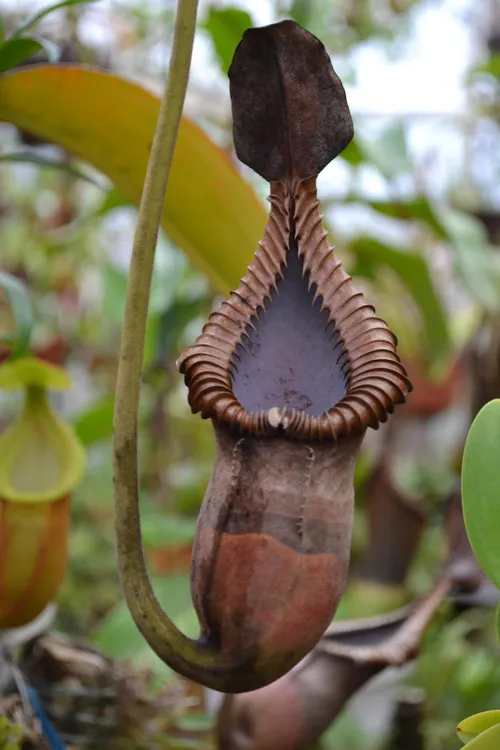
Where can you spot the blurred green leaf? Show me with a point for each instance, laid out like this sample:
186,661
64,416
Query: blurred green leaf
492,66
183,743
160,531
97,423
45,12
364,598
451,649
11,734
226,27
481,489
346,733
194,721
174,320
497,621
114,282
162,307
119,637
388,152
15,51
477,263
471,677
353,153
113,199
481,732
25,157
20,306
300,11
414,273
419,208
151,341
162,294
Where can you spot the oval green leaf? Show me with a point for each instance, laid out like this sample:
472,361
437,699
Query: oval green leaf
210,212
226,27
20,306
481,489
481,731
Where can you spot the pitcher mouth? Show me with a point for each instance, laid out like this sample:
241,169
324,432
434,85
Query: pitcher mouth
295,348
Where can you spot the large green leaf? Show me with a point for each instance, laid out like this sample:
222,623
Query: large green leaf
389,151
476,262
413,271
487,740
210,211
481,489
226,27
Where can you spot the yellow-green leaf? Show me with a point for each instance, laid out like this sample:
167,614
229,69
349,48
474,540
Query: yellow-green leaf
481,731
210,212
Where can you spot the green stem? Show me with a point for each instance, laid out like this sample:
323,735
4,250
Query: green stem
188,657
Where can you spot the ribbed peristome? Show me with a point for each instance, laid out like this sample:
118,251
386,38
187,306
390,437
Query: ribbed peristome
375,378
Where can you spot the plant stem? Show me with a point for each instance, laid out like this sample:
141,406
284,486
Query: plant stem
158,630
